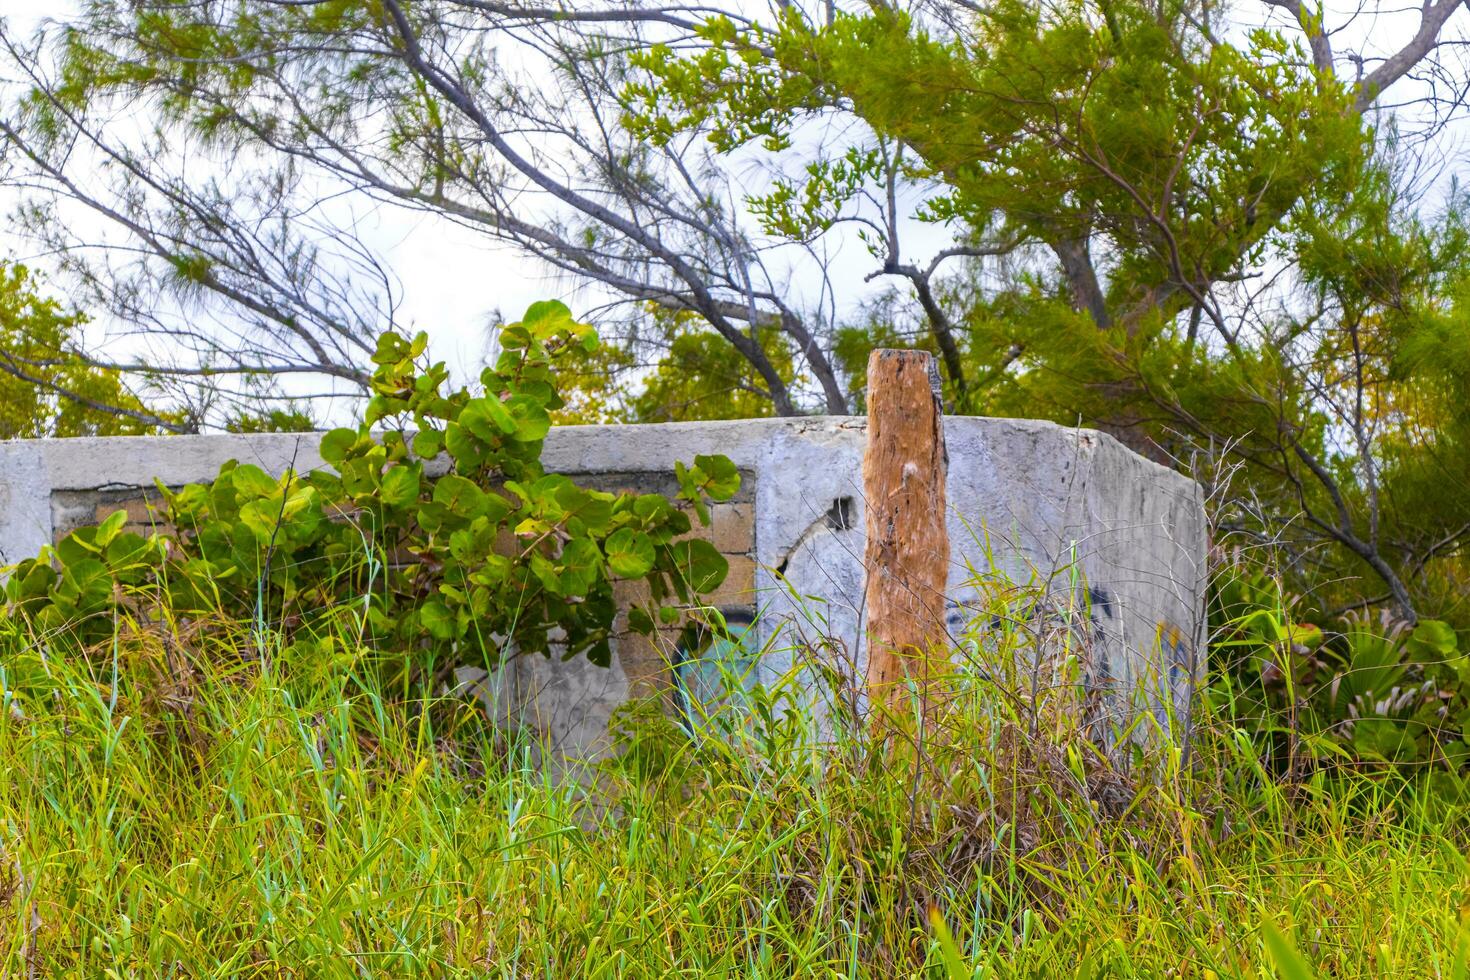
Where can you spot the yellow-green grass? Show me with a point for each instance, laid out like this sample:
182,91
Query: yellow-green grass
177,804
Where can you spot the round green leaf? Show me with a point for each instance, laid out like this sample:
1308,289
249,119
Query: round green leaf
250,480
466,450
460,495
401,486
428,443
487,418
437,619
721,478
336,444
110,528
698,565
1432,639
580,561
629,553
87,583
530,420
639,621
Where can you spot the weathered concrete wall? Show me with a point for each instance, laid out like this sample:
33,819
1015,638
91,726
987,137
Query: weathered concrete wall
1031,503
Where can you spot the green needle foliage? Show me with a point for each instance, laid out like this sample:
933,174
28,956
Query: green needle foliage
1057,120
1195,241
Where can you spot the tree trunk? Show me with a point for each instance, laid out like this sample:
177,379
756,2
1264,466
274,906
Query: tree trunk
907,558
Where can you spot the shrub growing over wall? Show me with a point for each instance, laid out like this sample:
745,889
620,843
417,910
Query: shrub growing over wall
445,565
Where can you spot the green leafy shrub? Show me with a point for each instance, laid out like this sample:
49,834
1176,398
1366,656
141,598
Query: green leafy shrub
446,565
1366,689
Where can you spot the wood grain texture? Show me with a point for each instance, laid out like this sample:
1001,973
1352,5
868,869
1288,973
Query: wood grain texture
907,558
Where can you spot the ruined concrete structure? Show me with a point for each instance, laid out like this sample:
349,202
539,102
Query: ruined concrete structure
1120,538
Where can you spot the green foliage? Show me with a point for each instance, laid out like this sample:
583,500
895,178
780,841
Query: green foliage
1173,160
1126,120
1144,174
38,364
1369,690
697,379
288,419
693,378
1133,164
451,567
1290,963
168,811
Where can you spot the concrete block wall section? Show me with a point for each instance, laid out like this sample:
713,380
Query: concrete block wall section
1121,541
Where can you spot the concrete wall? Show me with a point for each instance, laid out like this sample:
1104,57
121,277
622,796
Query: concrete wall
1119,540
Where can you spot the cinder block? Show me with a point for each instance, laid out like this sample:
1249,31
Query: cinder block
643,664
738,589
138,511
732,527
147,530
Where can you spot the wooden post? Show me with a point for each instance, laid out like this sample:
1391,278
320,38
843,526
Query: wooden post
907,558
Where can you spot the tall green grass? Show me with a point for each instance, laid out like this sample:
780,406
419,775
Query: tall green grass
194,801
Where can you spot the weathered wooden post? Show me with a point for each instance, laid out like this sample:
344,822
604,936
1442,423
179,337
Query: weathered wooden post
907,561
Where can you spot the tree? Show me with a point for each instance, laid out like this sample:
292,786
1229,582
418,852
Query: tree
1142,173
509,119
46,388
693,376
1127,189
438,107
